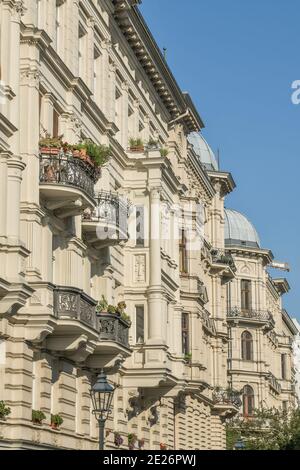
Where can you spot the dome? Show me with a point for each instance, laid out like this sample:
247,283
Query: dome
239,230
203,151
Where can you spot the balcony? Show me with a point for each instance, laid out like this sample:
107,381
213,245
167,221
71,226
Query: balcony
257,317
66,182
208,323
82,334
73,304
107,223
274,384
226,401
223,262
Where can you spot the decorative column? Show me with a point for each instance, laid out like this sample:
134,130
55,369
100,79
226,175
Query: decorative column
111,95
90,54
124,122
104,92
156,309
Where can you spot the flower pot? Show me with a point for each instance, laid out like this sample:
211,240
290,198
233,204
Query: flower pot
50,150
76,153
83,153
139,149
54,426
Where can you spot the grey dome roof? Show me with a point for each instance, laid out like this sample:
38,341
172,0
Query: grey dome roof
203,151
239,230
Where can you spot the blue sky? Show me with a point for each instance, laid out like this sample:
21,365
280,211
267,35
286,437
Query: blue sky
238,60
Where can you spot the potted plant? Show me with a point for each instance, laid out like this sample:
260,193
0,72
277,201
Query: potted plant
136,145
164,152
152,144
121,307
188,357
102,305
4,410
111,309
126,318
118,439
56,421
38,416
51,145
163,446
132,441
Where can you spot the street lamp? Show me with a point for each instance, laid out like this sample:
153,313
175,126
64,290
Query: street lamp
102,394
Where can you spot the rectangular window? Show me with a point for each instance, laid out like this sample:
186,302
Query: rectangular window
55,123
283,367
285,405
183,259
246,295
185,333
140,226
139,324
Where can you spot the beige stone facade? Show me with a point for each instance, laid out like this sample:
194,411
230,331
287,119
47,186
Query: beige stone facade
148,231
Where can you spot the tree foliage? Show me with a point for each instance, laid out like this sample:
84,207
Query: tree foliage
267,429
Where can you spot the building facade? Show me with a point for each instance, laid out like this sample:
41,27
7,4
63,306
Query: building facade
147,229
297,359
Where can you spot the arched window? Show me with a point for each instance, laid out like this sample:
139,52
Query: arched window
248,401
247,346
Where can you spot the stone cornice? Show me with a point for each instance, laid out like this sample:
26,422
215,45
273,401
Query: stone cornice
140,39
238,250
225,179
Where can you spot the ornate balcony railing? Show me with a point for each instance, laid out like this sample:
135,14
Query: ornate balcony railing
208,322
65,169
73,303
222,257
257,315
113,328
274,384
229,397
111,210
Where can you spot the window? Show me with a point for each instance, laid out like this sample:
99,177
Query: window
139,324
55,123
82,50
183,260
283,367
248,401
247,346
285,405
185,333
140,227
246,294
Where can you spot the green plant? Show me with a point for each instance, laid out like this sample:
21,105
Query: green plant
126,318
4,410
188,357
121,307
132,440
164,152
56,420
51,142
98,153
136,143
38,416
111,309
152,143
102,305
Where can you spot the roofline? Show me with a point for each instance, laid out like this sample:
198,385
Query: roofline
289,322
136,31
251,250
226,177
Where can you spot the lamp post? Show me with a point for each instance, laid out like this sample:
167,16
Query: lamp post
101,395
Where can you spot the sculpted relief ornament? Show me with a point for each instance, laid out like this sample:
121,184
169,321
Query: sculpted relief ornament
140,269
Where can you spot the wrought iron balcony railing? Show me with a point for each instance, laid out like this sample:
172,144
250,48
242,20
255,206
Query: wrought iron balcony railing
274,383
73,303
208,322
65,169
257,315
111,210
222,257
113,328
227,397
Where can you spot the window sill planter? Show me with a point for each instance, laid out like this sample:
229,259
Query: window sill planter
137,149
50,150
